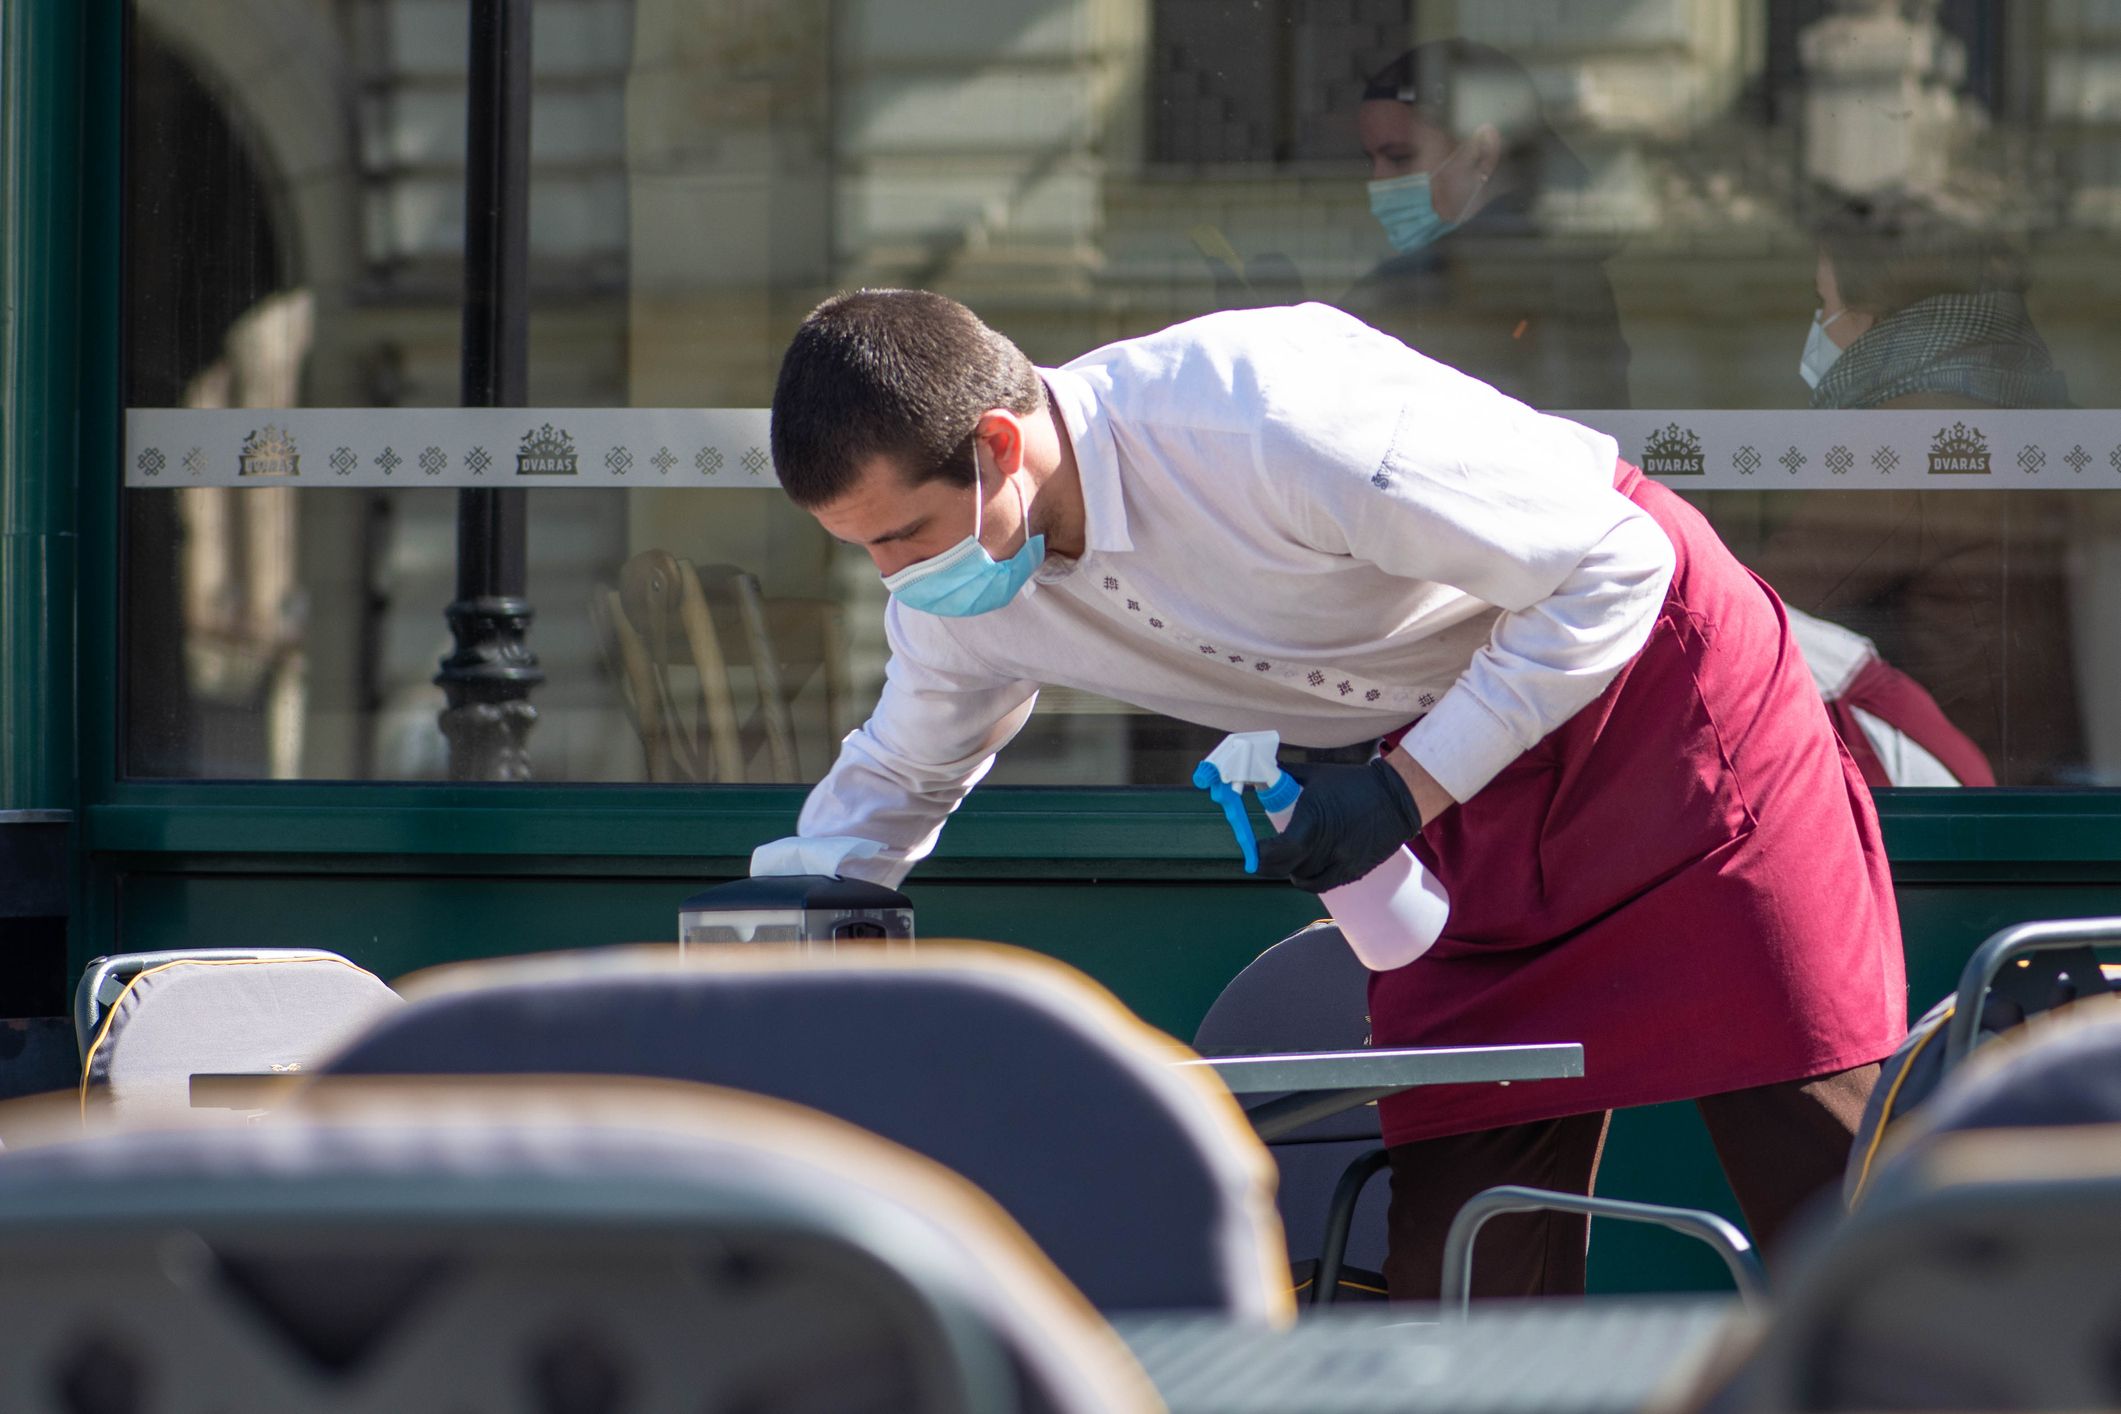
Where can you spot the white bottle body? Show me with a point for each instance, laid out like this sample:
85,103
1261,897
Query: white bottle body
1391,915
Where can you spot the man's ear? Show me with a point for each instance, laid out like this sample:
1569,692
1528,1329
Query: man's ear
1001,432
1487,148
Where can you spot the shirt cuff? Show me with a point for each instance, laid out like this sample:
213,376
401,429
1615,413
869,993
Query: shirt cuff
835,856
1462,744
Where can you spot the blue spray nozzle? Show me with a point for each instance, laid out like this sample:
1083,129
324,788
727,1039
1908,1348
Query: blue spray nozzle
1232,800
1280,795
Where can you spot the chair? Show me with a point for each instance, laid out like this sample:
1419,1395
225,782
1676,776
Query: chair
505,1244
1308,993
790,640
657,602
2016,973
2060,1071
667,612
1982,1270
150,1022
1140,1180
1986,1274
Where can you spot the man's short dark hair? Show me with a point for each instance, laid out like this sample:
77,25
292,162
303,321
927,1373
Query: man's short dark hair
903,374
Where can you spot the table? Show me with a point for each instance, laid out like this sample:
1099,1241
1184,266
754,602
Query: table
1309,1085
1609,1355
242,1090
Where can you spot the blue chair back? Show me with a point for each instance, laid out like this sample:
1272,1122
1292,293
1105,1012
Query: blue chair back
1140,1180
2058,1071
1982,1272
477,1245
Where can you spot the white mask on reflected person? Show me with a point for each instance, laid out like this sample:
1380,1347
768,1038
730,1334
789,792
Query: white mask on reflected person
1819,351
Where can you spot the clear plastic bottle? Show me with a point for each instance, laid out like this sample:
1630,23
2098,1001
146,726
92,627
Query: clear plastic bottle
1390,916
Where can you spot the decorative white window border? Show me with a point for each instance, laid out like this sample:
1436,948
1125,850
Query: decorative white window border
1942,450
726,448
464,447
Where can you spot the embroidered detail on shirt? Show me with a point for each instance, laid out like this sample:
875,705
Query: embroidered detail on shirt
1327,682
1382,481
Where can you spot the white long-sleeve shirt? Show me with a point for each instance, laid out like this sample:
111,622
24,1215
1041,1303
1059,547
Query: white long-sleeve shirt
1293,522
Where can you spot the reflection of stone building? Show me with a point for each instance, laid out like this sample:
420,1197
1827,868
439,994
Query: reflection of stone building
705,169
352,114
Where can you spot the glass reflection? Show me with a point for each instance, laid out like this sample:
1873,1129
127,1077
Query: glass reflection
1460,155
1836,207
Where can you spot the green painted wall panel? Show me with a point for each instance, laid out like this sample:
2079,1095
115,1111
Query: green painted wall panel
1165,949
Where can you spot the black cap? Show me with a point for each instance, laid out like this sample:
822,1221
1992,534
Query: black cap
1429,75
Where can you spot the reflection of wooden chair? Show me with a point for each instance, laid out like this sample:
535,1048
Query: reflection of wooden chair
666,612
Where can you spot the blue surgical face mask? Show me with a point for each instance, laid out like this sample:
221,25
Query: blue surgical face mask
1406,207
1819,351
965,580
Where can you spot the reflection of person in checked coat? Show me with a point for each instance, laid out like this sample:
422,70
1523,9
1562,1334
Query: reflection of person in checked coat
1965,592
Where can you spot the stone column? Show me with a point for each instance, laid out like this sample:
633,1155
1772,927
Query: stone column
1880,110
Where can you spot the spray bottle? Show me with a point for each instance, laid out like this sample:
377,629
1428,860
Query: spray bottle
1389,916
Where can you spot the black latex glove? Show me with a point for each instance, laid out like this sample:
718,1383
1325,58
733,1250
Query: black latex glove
1347,822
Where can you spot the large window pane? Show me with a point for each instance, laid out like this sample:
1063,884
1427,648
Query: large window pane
1624,217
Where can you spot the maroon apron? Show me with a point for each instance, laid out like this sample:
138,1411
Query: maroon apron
1905,705
1686,877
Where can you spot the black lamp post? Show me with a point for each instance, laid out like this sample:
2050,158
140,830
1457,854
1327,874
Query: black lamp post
489,676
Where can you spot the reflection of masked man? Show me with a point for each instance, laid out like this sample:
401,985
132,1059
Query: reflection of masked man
1410,205
1963,590
1459,153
